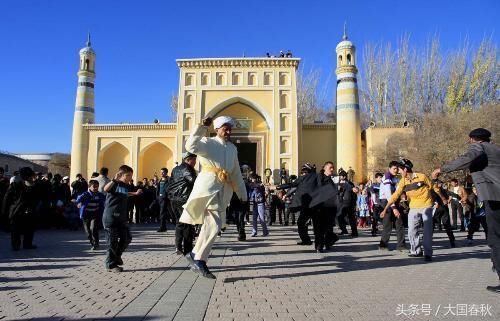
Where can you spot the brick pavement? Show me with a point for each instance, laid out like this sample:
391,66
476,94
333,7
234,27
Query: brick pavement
267,278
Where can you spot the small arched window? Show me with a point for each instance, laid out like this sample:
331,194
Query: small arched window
204,79
251,79
220,79
189,80
189,101
340,60
87,62
284,101
348,59
236,79
284,146
267,78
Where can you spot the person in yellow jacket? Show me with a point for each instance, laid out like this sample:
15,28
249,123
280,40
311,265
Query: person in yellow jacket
418,190
220,176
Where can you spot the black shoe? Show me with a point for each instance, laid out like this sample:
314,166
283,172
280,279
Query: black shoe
452,244
178,251
116,269
428,258
383,248
304,243
320,250
242,238
344,232
201,268
328,248
415,255
354,235
119,261
29,247
162,230
15,248
334,240
495,289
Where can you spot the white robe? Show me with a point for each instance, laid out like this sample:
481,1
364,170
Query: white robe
208,191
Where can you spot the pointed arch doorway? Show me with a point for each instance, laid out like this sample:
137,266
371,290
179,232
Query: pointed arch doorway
251,133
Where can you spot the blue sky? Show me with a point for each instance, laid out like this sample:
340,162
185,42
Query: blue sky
137,43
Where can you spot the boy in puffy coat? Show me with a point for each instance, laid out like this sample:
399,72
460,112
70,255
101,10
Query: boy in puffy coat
91,205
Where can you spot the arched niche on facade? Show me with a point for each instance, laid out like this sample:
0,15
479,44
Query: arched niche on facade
252,79
204,79
152,158
284,79
188,101
284,100
284,146
189,79
187,124
284,123
113,156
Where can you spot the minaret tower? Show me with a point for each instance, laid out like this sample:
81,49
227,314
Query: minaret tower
348,118
84,111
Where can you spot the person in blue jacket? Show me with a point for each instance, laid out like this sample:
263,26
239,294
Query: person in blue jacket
91,205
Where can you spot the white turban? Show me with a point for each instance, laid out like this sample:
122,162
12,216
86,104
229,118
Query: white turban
222,120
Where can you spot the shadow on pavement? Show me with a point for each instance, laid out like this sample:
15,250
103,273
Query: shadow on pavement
340,263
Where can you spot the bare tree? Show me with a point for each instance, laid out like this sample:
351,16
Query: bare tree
407,83
458,79
174,105
440,138
312,101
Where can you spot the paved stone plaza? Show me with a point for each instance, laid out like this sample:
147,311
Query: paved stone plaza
268,278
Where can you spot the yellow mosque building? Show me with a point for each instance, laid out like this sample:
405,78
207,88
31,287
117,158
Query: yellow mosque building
259,93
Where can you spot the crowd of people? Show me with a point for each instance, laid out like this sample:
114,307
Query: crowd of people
201,204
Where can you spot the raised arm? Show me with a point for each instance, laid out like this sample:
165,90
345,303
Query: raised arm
463,162
196,143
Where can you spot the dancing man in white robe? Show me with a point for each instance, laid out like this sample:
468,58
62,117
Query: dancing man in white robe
220,175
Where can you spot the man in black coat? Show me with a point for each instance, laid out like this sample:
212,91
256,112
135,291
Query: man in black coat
20,202
305,184
347,204
179,188
324,217
4,185
483,160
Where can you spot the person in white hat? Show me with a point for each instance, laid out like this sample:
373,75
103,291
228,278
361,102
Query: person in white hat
220,176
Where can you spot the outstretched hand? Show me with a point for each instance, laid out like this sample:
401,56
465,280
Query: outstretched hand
435,173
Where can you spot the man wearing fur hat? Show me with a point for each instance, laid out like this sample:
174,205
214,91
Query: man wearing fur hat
220,175
483,160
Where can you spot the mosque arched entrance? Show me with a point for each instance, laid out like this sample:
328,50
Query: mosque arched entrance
250,135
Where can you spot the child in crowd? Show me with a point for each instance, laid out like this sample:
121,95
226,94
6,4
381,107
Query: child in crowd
404,204
115,217
91,205
258,199
362,208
